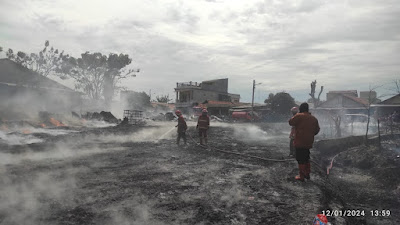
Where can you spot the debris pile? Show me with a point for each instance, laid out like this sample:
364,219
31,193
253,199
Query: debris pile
102,116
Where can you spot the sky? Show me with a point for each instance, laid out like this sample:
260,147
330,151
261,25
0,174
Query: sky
284,45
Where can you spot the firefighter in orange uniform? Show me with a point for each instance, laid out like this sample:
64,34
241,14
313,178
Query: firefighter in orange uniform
182,127
203,124
292,153
306,127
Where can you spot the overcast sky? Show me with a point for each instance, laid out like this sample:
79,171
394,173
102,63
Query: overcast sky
282,44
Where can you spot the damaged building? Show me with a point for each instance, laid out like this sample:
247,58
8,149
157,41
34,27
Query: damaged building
388,106
24,92
214,93
349,101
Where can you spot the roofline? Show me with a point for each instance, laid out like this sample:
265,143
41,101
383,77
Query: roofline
338,108
209,90
49,88
214,80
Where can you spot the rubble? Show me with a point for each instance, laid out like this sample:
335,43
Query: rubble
102,116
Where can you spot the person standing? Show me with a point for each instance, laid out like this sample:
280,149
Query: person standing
292,153
203,124
306,127
182,127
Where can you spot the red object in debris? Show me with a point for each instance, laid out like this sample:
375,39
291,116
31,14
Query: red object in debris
320,219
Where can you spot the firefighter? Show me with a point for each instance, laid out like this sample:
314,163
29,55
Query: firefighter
203,124
182,127
292,153
306,127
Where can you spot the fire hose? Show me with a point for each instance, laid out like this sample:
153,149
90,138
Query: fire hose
251,156
240,154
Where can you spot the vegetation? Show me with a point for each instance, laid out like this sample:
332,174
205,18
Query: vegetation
95,74
163,98
280,103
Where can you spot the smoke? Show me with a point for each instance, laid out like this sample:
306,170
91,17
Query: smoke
24,200
133,211
18,139
22,103
234,193
251,132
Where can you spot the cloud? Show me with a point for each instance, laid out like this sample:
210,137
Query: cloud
283,44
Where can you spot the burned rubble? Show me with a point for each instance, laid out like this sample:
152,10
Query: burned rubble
137,175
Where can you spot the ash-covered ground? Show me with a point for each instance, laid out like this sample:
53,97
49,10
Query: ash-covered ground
138,175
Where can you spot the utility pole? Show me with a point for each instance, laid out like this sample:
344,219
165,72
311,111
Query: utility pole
252,98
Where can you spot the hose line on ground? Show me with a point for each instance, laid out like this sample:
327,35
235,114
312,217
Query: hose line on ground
240,154
252,156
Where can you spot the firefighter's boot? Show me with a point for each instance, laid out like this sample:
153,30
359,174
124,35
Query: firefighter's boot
302,169
307,171
201,141
205,140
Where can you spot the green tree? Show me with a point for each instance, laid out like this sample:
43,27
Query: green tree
138,100
115,73
163,98
280,103
96,74
45,62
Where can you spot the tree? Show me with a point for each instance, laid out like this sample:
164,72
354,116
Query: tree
97,74
337,119
115,73
316,101
138,100
395,89
371,100
280,103
45,62
163,98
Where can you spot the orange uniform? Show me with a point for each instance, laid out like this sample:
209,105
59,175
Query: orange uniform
306,127
182,127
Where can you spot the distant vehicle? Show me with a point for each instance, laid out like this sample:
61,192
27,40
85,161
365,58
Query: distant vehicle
244,116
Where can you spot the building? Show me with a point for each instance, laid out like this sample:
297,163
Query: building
334,94
218,107
345,101
25,92
192,94
388,106
370,96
